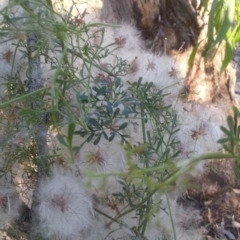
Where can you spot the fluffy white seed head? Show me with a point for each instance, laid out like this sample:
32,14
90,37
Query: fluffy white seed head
185,222
9,202
64,208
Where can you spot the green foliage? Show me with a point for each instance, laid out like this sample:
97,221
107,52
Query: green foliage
158,149
223,26
231,142
221,18
105,98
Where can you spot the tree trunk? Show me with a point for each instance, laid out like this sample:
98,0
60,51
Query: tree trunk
158,20
174,27
40,127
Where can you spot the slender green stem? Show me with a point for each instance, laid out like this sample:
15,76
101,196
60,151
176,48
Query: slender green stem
143,127
171,217
180,170
21,98
14,58
69,108
54,81
145,221
106,215
138,205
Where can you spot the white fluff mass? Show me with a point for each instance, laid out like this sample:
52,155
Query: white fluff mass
9,203
64,207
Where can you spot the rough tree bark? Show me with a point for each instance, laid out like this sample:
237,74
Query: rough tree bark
174,27
158,19
40,132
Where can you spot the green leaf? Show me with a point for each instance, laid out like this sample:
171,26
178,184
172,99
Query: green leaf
121,182
128,99
227,148
175,131
228,19
219,15
149,86
81,132
93,122
126,111
225,130
223,140
210,23
149,137
228,56
76,149
3,34
124,125
125,136
159,144
113,134
176,154
83,98
116,113
49,3
25,112
166,128
105,135
109,108
97,140
225,26
230,122
117,103
61,140
205,4
193,54
71,128
235,36
236,111
7,19
95,89
139,82
102,91
90,137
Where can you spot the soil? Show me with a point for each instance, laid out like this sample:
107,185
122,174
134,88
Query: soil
217,196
